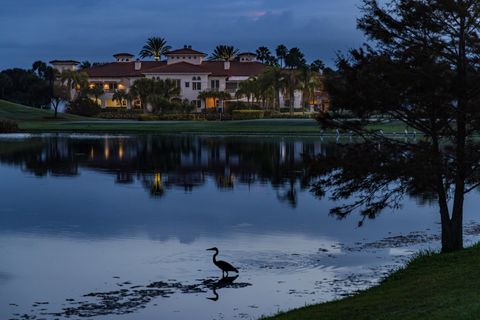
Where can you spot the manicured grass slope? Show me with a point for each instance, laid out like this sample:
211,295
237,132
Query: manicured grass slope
20,113
432,286
231,127
35,120
32,119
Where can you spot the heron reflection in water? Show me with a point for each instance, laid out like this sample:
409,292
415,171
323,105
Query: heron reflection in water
222,283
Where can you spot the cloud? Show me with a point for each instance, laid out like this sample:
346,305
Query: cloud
93,30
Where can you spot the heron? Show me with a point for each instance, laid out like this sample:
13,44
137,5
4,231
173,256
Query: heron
222,265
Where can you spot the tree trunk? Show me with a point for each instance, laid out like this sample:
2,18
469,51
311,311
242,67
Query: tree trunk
277,100
451,228
292,102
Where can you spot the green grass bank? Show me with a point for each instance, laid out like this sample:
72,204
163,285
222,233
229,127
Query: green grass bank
36,120
431,286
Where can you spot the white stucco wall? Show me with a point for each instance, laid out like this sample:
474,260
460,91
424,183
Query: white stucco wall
297,103
186,92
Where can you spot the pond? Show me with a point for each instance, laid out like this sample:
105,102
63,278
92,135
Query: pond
110,226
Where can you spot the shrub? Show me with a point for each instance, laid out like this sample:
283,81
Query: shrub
247,114
148,117
296,115
122,110
184,106
239,105
83,106
120,113
8,126
172,117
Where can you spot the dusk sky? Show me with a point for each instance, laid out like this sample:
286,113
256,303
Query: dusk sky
93,30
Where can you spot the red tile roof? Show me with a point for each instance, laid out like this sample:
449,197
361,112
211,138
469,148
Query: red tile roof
186,51
64,61
179,67
242,69
214,68
121,69
123,54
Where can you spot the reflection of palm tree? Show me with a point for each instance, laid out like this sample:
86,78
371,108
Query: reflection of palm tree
157,188
290,195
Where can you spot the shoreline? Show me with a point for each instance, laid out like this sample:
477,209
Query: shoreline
430,286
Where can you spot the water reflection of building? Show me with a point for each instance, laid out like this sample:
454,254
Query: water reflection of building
160,162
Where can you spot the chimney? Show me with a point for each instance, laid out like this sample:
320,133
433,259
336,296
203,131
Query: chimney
185,47
138,65
226,65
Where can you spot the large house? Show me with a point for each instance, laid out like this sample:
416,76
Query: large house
188,67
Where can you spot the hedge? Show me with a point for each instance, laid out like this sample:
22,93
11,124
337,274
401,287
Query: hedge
8,126
296,115
247,114
171,117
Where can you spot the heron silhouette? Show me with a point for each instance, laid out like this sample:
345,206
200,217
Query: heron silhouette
222,265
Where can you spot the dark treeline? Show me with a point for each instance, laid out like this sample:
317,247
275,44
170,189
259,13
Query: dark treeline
31,87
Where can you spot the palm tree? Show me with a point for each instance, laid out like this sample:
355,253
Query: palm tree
317,66
295,59
292,83
309,84
121,95
248,89
281,53
205,95
264,55
96,91
276,78
224,53
155,47
159,103
166,88
141,89
85,65
74,80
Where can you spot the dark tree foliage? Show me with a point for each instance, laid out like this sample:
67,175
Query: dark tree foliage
265,56
317,65
421,68
83,106
295,59
25,87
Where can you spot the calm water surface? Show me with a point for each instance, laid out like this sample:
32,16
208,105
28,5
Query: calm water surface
103,227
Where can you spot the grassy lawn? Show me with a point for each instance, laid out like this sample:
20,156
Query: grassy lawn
36,120
19,113
432,286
